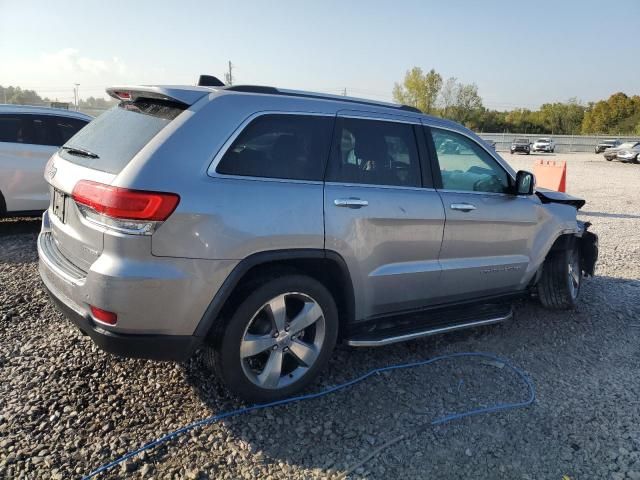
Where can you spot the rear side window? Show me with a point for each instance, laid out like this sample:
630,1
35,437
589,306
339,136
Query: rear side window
116,136
375,152
38,129
65,128
292,147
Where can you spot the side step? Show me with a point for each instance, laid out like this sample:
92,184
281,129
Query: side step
429,324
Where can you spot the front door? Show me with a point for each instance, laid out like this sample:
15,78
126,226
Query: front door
380,218
488,231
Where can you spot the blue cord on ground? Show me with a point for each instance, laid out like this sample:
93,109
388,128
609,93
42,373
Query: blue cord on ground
438,421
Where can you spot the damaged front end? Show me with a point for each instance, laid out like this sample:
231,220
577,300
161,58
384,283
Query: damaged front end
587,241
588,245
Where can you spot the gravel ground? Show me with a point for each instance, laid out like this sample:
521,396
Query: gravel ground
66,407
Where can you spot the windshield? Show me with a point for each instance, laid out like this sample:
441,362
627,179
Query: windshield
543,140
628,144
115,137
521,140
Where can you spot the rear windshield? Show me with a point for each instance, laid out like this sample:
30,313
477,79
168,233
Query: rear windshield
111,140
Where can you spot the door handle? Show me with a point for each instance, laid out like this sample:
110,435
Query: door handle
350,202
463,207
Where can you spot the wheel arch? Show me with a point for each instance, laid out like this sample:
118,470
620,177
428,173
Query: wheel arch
326,266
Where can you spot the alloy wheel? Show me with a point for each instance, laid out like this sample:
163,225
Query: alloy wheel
282,340
574,274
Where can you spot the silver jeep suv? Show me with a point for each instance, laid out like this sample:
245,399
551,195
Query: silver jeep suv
264,225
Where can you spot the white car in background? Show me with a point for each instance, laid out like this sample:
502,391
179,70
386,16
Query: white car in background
28,137
543,145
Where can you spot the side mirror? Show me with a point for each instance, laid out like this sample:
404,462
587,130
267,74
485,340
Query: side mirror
525,183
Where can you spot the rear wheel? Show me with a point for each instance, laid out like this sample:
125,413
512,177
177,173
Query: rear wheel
559,284
277,340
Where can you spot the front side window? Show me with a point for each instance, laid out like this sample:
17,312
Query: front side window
13,129
466,166
293,147
374,152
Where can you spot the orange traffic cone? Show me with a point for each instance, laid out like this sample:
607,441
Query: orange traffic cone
551,174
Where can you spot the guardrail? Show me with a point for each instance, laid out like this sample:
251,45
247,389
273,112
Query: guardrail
564,143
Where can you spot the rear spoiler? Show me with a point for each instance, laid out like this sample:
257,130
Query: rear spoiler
181,94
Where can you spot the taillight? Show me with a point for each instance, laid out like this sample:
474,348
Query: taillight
104,316
122,208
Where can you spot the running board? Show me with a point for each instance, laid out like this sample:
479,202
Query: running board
380,340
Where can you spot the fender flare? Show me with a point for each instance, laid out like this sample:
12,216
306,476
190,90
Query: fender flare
212,312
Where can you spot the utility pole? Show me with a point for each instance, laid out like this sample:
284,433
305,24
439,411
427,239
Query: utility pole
229,76
344,92
76,95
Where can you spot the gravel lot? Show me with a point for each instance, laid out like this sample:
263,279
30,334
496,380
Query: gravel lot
66,407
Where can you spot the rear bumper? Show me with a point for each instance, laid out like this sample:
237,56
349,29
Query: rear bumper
159,301
154,347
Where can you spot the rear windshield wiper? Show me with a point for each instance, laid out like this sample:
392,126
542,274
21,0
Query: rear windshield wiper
80,152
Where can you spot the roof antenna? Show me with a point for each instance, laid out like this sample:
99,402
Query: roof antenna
209,81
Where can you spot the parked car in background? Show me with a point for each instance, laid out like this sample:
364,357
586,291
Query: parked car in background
612,153
521,145
28,137
292,220
490,142
628,154
604,144
544,144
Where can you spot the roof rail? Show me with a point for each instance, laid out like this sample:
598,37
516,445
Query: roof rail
294,93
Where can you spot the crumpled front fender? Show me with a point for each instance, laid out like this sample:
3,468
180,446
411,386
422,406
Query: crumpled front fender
588,244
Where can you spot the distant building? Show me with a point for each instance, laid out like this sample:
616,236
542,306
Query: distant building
63,105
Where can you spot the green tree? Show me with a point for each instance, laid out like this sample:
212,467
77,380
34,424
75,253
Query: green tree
614,115
419,90
562,118
18,96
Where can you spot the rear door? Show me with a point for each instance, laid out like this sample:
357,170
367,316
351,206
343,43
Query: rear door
25,146
381,215
488,231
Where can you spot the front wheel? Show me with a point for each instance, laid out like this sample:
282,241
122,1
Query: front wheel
559,284
277,340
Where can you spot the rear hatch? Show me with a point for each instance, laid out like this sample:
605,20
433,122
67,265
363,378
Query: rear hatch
93,158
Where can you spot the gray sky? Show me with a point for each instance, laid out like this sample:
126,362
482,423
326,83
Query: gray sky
518,53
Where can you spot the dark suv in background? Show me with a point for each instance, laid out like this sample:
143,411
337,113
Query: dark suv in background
521,145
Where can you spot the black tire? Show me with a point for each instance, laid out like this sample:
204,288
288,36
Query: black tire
3,206
236,373
608,159
559,285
